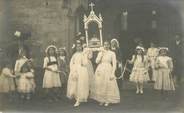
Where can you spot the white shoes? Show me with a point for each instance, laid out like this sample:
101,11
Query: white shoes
77,104
106,104
137,92
141,92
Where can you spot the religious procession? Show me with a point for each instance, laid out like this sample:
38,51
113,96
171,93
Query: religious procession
94,69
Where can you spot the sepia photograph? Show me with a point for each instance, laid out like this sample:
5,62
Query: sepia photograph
91,56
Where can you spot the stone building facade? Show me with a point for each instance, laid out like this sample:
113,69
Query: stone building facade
41,23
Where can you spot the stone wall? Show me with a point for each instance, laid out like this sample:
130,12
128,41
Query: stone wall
41,21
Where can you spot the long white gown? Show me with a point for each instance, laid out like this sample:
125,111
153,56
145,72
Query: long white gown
104,89
164,80
78,81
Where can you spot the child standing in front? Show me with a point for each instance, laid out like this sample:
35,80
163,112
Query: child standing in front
78,80
51,80
7,84
164,66
26,84
139,73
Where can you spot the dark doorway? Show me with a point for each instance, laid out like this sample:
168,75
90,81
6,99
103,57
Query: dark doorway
156,21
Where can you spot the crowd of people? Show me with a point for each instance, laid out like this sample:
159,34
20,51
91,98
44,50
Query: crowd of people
85,77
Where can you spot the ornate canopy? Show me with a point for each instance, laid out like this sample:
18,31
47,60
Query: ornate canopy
93,18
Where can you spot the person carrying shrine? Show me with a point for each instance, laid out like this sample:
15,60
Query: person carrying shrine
105,89
78,80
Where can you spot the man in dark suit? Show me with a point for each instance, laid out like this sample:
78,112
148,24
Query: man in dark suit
177,54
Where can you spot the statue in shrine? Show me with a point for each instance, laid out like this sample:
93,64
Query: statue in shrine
94,41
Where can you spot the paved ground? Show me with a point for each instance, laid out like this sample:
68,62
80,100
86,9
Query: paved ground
150,102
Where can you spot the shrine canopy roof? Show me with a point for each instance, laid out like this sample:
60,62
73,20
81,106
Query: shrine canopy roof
92,18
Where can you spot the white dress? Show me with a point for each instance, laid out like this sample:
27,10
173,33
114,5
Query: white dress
26,84
51,79
139,71
6,81
164,80
152,54
104,89
78,81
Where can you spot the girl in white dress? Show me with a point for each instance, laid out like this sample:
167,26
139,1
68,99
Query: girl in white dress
51,79
164,66
152,54
78,81
7,85
18,65
26,84
139,73
105,90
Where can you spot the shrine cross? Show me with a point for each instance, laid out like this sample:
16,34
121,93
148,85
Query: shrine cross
91,5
